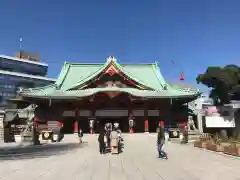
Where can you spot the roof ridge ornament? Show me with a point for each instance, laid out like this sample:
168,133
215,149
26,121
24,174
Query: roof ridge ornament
111,58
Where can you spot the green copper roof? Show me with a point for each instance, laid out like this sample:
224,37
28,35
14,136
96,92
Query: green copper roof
76,74
75,94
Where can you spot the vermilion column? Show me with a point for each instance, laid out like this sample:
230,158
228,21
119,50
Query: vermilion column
76,121
76,127
146,125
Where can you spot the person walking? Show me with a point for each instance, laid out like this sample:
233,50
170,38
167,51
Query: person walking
108,132
101,141
114,141
80,135
161,141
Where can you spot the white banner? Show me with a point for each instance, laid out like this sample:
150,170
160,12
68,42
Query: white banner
68,114
111,113
219,122
85,113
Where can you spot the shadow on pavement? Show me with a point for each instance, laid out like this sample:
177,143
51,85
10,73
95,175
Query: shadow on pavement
41,151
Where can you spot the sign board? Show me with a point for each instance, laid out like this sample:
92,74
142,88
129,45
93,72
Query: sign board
219,122
234,104
1,121
111,113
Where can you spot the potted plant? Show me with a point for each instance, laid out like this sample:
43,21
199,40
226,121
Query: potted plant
202,141
197,143
233,149
209,143
216,145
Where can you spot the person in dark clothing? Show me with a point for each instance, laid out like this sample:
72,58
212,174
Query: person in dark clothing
161,141
108,132
80,135
101,141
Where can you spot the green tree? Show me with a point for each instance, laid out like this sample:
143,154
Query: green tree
223,82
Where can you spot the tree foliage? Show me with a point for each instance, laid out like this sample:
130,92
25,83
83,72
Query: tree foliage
224,83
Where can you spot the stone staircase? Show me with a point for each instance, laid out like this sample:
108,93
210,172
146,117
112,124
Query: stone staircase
193,135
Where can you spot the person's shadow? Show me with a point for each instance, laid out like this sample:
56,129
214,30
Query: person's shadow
39,151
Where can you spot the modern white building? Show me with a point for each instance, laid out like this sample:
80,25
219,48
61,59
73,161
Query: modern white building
25,70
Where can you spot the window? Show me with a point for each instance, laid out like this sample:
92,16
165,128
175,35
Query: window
11,86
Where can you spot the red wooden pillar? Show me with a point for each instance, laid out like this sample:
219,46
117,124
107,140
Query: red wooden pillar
146,123
76,129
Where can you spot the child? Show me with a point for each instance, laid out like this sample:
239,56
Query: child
161,140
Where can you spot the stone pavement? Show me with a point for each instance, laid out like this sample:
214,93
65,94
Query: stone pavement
8,145
68,161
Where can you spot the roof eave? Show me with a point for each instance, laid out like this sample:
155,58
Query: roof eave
76,94
26,76
23,60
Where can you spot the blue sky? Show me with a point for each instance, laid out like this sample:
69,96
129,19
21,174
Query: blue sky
195,34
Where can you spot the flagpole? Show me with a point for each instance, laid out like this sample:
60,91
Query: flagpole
20,46
179,69
20,43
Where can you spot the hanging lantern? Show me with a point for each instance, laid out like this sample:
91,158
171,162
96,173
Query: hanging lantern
182,76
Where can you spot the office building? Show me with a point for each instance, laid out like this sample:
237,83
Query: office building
22,71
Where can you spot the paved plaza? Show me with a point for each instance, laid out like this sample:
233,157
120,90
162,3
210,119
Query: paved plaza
69,161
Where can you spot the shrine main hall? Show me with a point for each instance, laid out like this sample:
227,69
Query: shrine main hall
110,92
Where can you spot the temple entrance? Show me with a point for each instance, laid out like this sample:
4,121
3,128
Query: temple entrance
99,110
153,124
110,116
99,122
139,124
84,124
122,121
68,125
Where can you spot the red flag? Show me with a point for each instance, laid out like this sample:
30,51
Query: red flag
182,76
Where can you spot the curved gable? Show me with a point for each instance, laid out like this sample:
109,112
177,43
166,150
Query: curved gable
73,75
112,66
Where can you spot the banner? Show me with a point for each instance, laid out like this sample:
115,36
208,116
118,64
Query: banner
219,122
